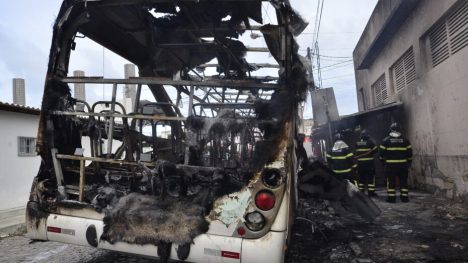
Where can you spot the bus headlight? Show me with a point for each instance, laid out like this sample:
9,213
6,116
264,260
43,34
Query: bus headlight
272,177
254,221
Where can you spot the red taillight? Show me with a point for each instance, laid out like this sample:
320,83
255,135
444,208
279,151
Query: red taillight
241,231
265,200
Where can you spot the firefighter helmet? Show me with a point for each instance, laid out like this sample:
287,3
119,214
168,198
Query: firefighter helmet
364,134
338,136
395,127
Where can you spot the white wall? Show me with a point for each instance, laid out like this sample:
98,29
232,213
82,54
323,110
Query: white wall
435,105
16,173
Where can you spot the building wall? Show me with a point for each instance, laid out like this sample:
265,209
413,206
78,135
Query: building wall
79,88
130,89
16,173
434,104
19,91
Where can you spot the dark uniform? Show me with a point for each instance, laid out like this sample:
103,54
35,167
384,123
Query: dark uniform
396,153
365,150
341,161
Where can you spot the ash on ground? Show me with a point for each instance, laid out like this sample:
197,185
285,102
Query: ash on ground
428,229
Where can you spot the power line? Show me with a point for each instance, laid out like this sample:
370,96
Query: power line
333,59
320,22
337,67
340,76
327,56
319,74
316,21
339,63
329,33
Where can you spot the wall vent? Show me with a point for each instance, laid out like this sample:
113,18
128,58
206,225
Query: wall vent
403,72
379,89
450,35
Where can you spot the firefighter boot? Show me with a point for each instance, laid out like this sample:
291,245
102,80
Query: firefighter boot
404,195
391,196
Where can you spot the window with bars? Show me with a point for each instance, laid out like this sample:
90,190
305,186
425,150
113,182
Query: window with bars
403,72
379,89
26,146
449,35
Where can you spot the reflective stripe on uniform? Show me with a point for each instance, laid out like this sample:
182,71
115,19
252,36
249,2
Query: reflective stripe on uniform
328,155
371,187
364,150
342,157
397,149
342,171
355,166
382,147
365,159
409,147
396,161
404,192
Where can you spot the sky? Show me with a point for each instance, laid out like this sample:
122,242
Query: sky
26,33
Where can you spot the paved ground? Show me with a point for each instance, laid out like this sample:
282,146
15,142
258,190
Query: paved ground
426,230
10,220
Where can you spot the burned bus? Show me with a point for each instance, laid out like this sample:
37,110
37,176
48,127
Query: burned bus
219,186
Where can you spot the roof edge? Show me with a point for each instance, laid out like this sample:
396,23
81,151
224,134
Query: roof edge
4,106
386,19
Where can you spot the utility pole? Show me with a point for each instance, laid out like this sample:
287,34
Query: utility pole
313,88
311,77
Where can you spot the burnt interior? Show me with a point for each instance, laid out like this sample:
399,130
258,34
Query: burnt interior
239,125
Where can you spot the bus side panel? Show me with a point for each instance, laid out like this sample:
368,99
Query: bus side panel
209,248
281,222
271,248
35,225
206,248
71,230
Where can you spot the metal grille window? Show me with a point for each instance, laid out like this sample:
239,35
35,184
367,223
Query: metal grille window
403,72
450,35
26,146
379,89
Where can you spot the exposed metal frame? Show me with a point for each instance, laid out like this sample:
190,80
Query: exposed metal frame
234,84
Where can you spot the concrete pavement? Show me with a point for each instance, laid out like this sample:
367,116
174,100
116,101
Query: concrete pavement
11,221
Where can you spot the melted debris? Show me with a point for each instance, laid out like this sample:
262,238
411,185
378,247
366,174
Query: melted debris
426,230
205,157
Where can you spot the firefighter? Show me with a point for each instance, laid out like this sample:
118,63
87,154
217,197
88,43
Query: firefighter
365,150
341,159
396,154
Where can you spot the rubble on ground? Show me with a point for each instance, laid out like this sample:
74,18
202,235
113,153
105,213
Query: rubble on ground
420,231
